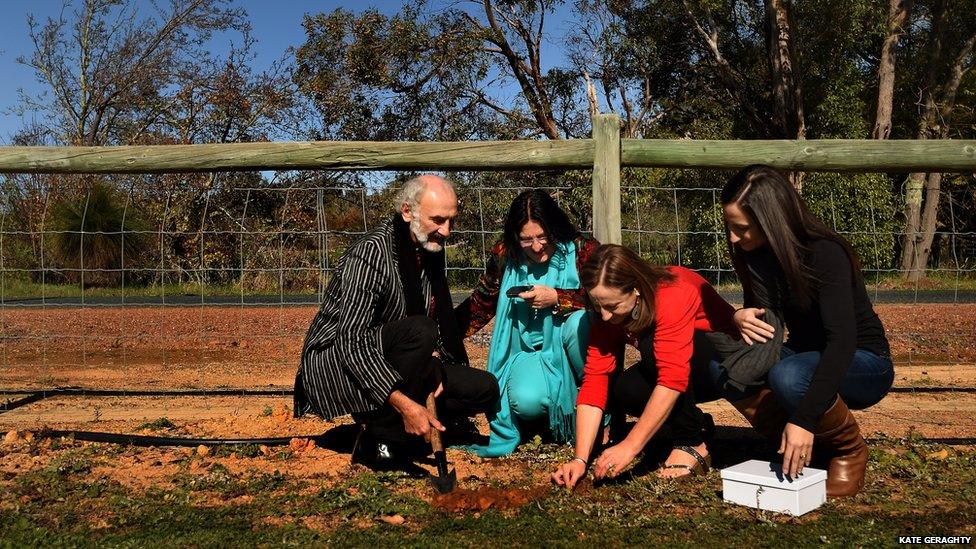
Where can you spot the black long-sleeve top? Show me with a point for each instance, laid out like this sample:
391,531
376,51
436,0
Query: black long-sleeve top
838,321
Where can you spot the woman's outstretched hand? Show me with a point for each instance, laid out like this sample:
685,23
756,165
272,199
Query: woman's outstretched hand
753,329
569,473
613,460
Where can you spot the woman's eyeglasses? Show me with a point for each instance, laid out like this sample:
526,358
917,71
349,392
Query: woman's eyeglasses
527,242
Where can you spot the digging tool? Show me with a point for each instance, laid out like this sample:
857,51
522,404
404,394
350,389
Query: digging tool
445,481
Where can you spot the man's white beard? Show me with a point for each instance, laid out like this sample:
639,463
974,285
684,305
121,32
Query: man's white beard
422,238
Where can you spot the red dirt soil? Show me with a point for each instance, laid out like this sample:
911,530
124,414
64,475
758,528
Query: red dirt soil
464,500
258,347
137,348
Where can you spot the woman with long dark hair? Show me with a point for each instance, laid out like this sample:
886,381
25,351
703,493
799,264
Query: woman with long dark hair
531,288
836,357
658,310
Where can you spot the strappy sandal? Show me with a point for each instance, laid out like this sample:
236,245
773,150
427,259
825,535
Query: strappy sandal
702,466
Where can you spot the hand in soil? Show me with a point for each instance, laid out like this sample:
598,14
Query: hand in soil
613,460
569,474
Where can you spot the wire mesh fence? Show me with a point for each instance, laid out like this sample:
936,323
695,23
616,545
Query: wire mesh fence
211,281
927,320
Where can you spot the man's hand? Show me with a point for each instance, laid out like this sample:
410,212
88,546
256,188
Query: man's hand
416,419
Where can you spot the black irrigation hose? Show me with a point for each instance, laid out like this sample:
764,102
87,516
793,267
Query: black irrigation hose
284,391
145,441
77,391
80,391
11,404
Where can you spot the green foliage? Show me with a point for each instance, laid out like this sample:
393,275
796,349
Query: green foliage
435,70
841,112
239,450
862,209
672,217
96,234
400,77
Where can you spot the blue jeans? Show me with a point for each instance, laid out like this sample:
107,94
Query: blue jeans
866,382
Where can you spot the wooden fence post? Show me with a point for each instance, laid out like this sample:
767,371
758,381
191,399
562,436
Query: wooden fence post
606,178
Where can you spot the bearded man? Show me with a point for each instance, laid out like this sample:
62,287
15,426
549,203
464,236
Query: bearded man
386,335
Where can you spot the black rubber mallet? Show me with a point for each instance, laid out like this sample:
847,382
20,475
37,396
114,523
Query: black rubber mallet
445,481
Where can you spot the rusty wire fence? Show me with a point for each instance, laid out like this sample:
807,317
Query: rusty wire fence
215,289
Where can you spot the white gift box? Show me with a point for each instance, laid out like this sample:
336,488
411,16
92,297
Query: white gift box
761,485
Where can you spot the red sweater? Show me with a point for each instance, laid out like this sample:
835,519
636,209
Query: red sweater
682,306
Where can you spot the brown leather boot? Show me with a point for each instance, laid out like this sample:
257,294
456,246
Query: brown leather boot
840,435
764,413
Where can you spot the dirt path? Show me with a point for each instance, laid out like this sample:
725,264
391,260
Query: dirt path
930,414
256,347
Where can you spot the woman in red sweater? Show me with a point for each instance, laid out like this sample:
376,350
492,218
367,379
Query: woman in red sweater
658,310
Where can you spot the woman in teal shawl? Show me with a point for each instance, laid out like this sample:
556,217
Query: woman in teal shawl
538,345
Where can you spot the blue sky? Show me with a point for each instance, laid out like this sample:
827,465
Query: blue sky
276,24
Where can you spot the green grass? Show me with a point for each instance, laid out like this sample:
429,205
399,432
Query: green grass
913,489
934,281
937,280
16,288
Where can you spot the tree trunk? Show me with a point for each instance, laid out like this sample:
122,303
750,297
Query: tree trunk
929,223
787,91
934,124
938,115
897,15
911,249
913,210
787,95
528,74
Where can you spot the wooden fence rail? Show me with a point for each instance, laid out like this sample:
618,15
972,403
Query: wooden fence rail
823,155
605,154
842,155
302,155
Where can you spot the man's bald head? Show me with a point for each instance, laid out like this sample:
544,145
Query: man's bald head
428,202
413,190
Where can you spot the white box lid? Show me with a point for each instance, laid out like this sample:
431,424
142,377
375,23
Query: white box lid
765,473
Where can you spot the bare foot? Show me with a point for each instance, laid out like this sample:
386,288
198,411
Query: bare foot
680,457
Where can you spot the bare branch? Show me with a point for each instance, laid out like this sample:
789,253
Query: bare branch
730,79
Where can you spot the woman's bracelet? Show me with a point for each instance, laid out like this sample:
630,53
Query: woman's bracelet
579,459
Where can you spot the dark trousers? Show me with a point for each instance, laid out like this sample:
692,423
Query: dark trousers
408,345
633,387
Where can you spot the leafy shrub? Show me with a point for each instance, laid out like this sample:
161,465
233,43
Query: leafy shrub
96,234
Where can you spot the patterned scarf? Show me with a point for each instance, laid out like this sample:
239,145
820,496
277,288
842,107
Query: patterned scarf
434,265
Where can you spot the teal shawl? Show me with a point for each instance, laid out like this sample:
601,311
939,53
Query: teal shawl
507,342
